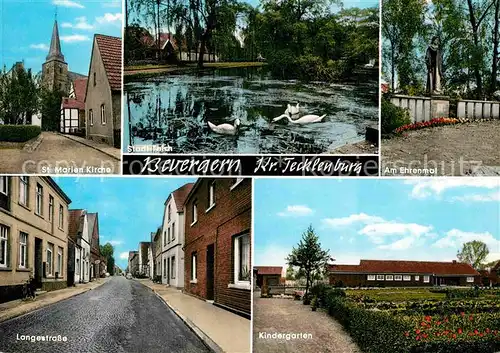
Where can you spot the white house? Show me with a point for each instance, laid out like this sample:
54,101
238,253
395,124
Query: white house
172,258
151,260
78,245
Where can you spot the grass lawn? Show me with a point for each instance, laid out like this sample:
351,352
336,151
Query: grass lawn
397,295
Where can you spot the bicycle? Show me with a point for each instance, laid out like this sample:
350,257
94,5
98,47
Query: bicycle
28,289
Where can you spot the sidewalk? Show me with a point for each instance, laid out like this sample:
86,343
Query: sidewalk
106,149
229,332
19,307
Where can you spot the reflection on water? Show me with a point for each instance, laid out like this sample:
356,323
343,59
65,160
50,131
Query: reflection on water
174,110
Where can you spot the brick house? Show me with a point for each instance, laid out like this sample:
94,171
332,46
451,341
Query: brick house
393,273
143,257
267,275
490,277
173,227
103,91
95,251
33,234
218,242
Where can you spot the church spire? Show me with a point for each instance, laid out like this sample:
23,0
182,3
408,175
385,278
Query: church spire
55,45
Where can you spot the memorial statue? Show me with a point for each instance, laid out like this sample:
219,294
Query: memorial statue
434,64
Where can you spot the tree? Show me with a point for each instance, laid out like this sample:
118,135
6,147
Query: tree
107,251
473,253
51,109
309,257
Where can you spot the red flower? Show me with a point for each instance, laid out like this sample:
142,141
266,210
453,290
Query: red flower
476,331
417,338
481,335
423,324
428,318
462,313
459,331
424,335
471,318
438,323
487,330
495,332
454,335
407,333
417,331
471,334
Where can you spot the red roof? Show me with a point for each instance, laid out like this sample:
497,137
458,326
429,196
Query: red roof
79,86
74,222
111,54
71,103
181,194
396,266
269,270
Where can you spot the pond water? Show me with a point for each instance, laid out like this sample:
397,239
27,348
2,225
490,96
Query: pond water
174,110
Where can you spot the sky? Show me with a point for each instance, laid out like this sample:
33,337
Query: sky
26,29
129,208
393,219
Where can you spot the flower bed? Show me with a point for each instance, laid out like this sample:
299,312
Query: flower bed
422,124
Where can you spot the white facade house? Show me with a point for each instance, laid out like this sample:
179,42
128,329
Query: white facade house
85,254
172,258
151,262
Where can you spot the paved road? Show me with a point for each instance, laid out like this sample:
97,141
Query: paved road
121,316
56,151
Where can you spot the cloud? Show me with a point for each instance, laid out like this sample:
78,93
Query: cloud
455,238
68,3
115,242
377,232
401,244
124,255
81,23
40,46
74,38
271,255
112,3
109,18
296,210
491,197
425,188
354,218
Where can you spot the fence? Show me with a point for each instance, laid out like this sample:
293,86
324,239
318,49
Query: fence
283,289
478,109
418,107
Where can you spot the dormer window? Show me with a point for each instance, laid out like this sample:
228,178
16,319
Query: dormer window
95,79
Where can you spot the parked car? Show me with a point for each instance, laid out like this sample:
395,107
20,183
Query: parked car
107,274
129,276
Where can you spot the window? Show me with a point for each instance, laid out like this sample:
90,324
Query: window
380,277
4,239
78,266
164,237
193,267
417,278
195,213
60,70
95,79
23,243
59,261
371,278
164,268
103,115
173,231
470,279
237,181
242,259
168,213
398,278
51,208
406,278
23,190
4,185
172,267
389,277
168,229
39,199
426,279
61,216
50,259
211,196
91,117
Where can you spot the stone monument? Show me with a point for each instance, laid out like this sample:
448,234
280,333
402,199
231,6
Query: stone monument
440,104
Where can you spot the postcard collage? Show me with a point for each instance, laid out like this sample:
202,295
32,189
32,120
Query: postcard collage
250,176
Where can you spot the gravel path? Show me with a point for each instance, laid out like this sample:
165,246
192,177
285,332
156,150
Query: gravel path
56,151
455,150
287,316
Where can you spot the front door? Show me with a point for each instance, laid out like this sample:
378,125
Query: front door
38,263
168,271
210,272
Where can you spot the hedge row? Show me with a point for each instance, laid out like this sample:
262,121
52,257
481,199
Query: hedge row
382,331
18,133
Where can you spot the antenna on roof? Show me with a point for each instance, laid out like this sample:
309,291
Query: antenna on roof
55,15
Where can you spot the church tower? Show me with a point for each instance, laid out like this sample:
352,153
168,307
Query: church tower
55,69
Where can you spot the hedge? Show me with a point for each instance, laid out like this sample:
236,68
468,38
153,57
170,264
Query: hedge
18,133
381,331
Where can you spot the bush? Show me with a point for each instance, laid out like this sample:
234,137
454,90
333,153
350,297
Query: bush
18,133
462,294
392,117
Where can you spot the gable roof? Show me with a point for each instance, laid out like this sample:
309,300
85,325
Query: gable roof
110,49
79,86
72,103
75,223
269,270
180,195
418,267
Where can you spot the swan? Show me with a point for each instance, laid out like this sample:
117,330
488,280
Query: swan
306,119
225,129
292,110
